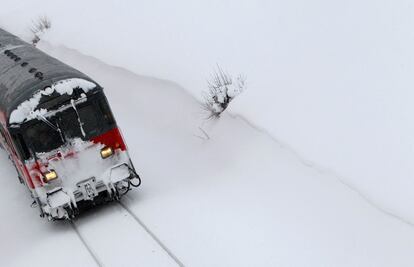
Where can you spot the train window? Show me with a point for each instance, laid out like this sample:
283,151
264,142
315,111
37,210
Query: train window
43,137
84,122
90,120
69,124
106,111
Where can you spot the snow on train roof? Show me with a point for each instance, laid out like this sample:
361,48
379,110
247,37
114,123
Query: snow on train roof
25,71
28,109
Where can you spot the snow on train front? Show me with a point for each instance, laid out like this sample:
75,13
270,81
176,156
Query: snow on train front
72,152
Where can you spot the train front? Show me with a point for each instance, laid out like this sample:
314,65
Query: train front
73,154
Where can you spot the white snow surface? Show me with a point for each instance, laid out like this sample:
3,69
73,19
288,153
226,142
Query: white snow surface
239,198
333,79
28,109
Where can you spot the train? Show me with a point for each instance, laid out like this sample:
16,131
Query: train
59,131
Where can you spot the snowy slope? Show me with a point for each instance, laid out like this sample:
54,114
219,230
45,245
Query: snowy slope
237,199
331,78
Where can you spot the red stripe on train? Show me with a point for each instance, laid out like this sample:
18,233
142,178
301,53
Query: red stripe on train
111,138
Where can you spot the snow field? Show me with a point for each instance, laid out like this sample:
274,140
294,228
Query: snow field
333,79
240,198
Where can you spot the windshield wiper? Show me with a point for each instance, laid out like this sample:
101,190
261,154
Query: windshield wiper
51,125
79,120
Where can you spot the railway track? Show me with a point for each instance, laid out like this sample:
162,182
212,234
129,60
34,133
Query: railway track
88,248
150,233
115,236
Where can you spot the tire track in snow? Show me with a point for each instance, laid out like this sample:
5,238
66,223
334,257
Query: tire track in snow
153,236
87,247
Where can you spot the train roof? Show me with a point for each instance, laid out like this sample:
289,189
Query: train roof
24,70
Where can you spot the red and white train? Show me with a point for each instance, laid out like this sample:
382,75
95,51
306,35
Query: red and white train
59,131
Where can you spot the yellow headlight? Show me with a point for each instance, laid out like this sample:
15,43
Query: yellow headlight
52,175
106,152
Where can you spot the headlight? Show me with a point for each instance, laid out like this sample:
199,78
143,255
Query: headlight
50,176
106,152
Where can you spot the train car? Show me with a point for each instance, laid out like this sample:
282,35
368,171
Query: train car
60,133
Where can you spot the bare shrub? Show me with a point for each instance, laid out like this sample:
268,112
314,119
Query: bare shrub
39,27
222,89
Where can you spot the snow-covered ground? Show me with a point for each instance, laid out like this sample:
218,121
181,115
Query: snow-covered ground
333,79
239,198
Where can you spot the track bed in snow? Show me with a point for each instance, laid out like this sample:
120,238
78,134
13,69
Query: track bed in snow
112,230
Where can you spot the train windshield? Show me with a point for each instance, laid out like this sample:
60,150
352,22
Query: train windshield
43,137
85,120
